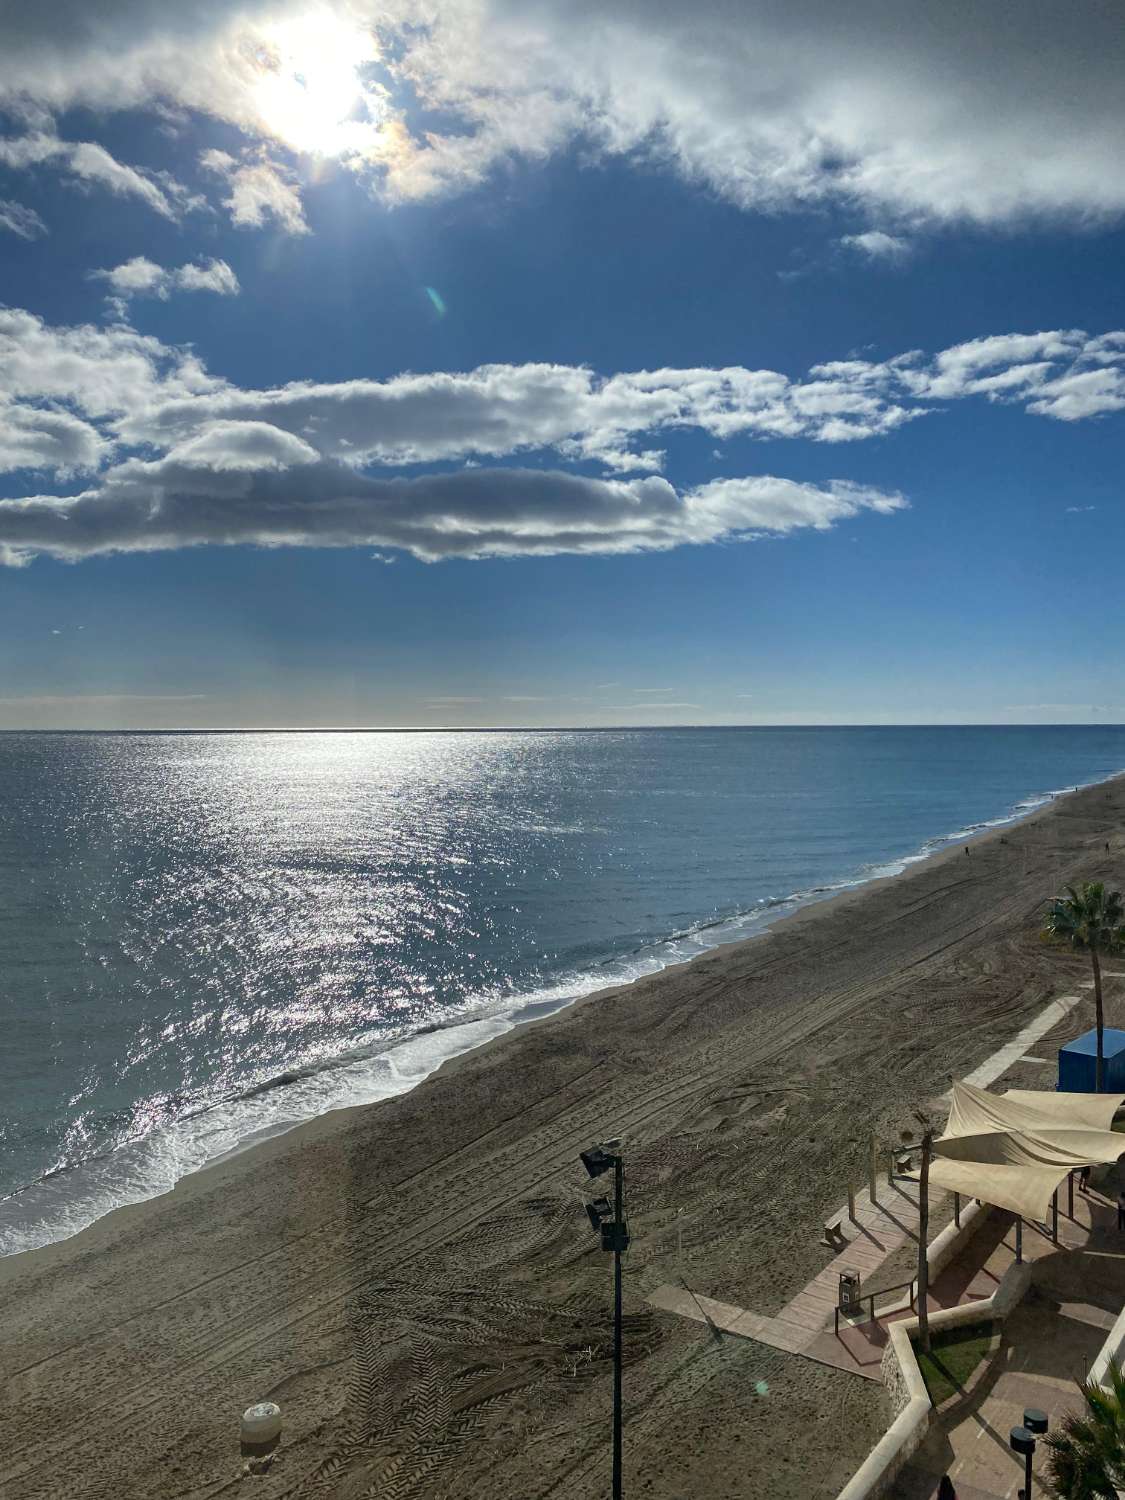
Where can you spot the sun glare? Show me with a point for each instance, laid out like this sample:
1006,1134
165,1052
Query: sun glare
309,92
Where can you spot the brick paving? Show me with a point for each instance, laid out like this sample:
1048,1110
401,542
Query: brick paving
1049,1342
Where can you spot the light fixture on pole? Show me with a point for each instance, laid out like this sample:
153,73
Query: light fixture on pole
1022,1440
608,1220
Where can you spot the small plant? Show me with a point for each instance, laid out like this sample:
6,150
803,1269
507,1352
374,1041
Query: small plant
1087,1458
955,1354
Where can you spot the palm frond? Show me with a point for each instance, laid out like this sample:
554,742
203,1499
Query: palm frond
1087,1455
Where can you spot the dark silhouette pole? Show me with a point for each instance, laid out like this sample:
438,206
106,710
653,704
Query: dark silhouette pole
619,1242
608,1220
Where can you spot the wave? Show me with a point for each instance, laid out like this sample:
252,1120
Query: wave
76,1194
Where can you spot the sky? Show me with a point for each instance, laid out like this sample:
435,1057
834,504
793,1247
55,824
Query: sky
478,363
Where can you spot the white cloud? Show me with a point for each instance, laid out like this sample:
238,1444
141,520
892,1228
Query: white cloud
234,446
141,277
20,220
34,438
207,276
497,410
87,162
876,244
144,506
911,112
260,191
138,276
100,372
197,459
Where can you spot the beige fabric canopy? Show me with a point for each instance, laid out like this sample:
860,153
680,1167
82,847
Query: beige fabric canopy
1014,1149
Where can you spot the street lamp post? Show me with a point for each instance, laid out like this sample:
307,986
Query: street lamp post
609,1221
1022,1440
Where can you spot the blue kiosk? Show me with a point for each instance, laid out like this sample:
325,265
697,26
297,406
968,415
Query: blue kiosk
1077,1063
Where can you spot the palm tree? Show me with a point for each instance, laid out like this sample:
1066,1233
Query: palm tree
1091,920
1087,1458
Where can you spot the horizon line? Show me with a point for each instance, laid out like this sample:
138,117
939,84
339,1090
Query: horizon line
534,728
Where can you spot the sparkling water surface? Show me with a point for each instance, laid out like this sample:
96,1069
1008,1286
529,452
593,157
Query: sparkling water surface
207,937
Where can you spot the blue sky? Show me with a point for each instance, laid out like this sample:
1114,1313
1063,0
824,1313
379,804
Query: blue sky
375,366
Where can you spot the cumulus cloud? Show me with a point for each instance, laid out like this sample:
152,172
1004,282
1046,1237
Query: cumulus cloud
98,372
88,163
498,410
207,276
912,112
141,277
193,458
33,438
260,192
19,220
181,501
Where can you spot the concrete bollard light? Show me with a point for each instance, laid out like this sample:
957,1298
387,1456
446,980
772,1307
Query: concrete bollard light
261,1425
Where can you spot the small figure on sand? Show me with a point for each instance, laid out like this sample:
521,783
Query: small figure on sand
966,848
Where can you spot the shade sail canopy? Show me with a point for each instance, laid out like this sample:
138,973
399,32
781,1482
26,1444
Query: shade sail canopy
1014,1149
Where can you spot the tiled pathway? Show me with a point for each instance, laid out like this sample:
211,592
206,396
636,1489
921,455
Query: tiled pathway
805,1325
1049,1343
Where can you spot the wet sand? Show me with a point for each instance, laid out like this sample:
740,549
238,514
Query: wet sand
415,1282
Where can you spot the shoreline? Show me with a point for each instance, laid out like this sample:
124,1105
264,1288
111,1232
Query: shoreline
420,1273
498,1019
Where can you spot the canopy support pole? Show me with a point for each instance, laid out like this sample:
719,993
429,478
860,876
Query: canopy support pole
1019,1238
1070,1194
1055,1216
957,1209
873,1170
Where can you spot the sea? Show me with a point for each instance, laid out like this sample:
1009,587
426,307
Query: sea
207,938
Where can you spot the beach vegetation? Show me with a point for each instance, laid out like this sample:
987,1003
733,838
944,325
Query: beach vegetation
1087,1457
1091,920
953,1356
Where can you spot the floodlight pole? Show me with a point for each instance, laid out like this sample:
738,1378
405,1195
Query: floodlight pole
619,1222
608,1222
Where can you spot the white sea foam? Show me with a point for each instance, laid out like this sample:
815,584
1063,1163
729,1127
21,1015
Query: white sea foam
68,1201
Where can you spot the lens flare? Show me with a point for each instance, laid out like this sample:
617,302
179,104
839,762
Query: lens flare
436,300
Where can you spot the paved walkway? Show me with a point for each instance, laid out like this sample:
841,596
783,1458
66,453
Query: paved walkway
806,1325
1049,1343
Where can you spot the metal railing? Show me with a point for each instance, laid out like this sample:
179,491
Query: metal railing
869,1298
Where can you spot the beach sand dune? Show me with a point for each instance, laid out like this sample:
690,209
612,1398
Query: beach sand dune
415,1282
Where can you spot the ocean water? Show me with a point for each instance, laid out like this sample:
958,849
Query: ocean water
207,938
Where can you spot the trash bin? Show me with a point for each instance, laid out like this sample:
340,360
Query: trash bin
849,1292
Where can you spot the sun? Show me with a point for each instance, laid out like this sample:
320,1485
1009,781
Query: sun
308,90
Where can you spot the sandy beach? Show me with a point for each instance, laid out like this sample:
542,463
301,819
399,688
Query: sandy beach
416,1284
